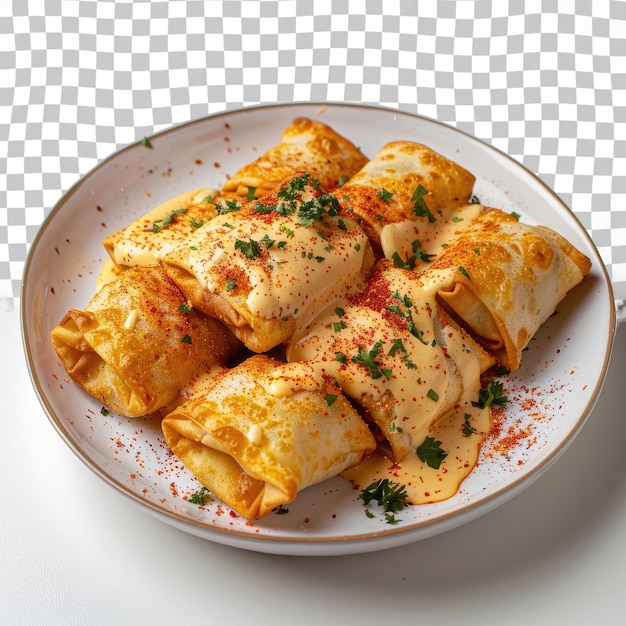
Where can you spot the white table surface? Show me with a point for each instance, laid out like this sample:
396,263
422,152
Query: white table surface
74,551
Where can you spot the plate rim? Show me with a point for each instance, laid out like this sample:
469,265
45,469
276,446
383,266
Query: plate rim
307,544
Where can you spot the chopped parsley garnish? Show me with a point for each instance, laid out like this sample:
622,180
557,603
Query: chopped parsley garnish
250,194
492,394
196,224
406,314
431,453
384,195
467,427
410,262
267,242
396,346
420,208
250,249
202,496
342,181
147,143
433,395
104,411
386,493
231,284
339,311
341,357
339,326
280,510
159,225
287,232
330,399
184,307
186,339
474,200
516,215
367,358
464,272
228,206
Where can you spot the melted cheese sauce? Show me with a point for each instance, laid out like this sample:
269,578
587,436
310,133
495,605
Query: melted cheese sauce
425,388
140,243
433,236
293,270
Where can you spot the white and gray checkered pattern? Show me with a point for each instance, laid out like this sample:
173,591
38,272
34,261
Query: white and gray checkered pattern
543,80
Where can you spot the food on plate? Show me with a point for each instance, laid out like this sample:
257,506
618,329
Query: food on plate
148,238
260,434
393,351
406,193
505,279
137,344
306,145
322,314
271,265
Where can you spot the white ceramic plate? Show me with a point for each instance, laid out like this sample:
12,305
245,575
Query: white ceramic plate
549,397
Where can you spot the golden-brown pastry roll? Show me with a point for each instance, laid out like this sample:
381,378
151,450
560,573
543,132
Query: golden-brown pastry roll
137,343
263,431
395,354
409,193
269,267
145,240
306,146
505,279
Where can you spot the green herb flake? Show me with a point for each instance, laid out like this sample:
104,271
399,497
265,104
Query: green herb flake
433,395
464,272
341,357
159,225
183,307
186,339
228,206
146,142
200,497
367,358
330,399
492,394
411,261
420,208
517,216
431,453
104,411
231,284
467,429
339,326
384,195
250,249
386,493
250,194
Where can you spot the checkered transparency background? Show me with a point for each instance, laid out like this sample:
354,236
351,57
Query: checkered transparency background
542,80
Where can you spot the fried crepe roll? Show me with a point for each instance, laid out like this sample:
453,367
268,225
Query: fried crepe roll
269,267
145,240
505,279
264,431
409,193
137,343
306,145
393,353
